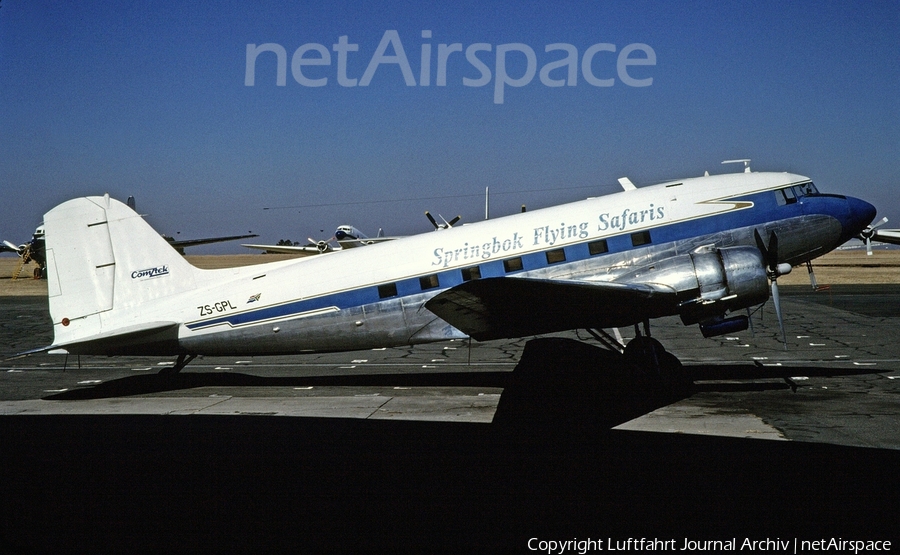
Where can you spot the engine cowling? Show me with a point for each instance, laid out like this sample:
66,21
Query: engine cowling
709,281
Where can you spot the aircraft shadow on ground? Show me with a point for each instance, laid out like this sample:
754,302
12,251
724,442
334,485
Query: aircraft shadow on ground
548,466
558,384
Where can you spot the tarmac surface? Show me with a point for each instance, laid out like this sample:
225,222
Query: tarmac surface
451,446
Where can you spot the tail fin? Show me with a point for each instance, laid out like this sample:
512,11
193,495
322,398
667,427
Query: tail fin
102,260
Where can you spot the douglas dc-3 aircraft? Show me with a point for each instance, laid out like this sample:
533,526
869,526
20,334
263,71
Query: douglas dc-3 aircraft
347,237
702,248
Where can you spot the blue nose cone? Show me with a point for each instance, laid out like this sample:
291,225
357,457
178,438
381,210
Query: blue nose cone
861,214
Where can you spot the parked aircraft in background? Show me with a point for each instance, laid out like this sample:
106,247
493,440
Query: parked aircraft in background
31,251
445,225
703,248
181,244
873,234
346,236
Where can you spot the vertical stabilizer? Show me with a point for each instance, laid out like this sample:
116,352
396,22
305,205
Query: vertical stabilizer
103,262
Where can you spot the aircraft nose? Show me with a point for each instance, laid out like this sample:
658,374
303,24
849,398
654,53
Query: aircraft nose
861,214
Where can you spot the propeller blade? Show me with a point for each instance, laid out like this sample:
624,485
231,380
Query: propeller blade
773,269
11,246
453,221
759,244
773,252
812,276
431,219
777,300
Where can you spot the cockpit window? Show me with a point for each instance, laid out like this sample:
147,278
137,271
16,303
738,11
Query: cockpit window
789,195
785,196
805,189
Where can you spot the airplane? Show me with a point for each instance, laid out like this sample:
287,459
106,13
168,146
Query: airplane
872,233
180,245
702,248
445,225
347,237
32,251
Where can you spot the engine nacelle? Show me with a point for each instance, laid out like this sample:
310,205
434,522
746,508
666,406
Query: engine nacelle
709,281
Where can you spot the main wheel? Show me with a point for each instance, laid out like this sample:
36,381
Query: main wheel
645,353
650,361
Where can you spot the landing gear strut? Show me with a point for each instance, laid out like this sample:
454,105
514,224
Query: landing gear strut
183,360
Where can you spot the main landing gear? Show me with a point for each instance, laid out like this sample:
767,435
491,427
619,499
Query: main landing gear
647,360
183,360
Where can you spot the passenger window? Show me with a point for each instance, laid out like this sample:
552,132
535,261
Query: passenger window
468,274
598,247
428,282
387,290
556,256
640,238
512,265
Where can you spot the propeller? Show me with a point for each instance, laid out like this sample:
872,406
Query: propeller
866,234
322,246
773,271
14,248
445,225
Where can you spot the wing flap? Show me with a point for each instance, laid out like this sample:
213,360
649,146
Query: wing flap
495,308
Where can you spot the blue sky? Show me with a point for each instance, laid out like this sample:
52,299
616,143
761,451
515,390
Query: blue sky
149,99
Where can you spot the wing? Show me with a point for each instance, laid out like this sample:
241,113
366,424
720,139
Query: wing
352,243
887,236
195,242
494,308
287,249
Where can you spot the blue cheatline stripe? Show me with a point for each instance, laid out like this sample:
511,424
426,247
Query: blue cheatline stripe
765,210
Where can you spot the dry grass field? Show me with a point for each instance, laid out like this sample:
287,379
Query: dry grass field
838,267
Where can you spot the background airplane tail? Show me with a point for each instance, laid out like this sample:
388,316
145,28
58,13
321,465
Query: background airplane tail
102,260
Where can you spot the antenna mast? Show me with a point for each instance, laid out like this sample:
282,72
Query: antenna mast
746,162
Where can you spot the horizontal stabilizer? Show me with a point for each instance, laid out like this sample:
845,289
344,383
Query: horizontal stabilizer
150,338
495,308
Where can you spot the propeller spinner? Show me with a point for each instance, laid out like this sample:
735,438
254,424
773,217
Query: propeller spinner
866,234
445,225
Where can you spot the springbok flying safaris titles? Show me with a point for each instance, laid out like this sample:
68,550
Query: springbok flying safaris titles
545,236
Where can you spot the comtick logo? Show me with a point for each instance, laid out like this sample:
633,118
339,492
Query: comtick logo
150,272
559,68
